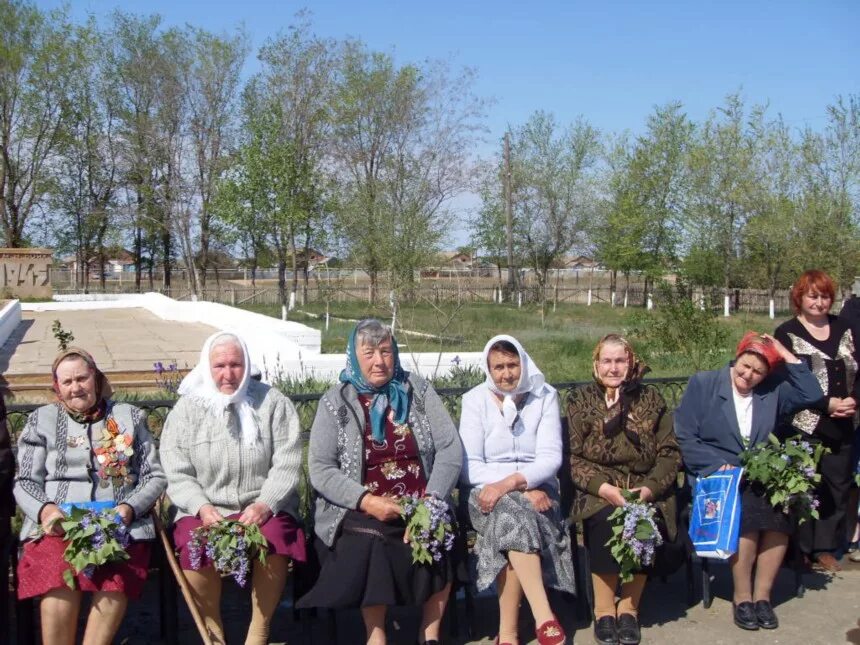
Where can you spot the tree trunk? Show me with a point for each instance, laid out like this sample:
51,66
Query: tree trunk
167,252
138,253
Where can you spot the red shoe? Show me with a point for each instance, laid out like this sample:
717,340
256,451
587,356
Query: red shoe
550,633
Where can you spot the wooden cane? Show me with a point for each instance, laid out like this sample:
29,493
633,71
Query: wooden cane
180,576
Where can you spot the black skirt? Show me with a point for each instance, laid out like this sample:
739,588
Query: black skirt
758,514
370,565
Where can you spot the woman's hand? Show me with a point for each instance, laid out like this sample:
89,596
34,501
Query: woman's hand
209,515
257,513
490,495
645,494
385,509
50,519
611,494
841,408
784,353
539,499
126,513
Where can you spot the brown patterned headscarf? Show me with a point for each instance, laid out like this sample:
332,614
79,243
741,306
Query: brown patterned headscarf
628,390
103,386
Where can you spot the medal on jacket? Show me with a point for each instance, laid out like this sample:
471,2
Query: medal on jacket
75,441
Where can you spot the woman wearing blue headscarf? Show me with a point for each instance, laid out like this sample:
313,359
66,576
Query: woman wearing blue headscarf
379,434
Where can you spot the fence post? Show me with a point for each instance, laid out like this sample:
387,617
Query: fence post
726,306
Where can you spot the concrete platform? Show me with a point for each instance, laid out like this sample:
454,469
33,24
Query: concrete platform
124,342
121,340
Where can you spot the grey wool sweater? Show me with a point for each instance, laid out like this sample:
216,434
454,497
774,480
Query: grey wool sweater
206,462
336,452
56,464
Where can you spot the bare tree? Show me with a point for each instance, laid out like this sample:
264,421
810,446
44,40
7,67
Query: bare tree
35,67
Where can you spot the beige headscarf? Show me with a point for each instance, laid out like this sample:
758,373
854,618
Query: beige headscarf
104,390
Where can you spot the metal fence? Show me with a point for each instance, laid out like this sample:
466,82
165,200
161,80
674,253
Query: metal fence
306,404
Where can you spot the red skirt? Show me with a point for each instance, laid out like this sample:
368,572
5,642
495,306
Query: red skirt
41,568
282,532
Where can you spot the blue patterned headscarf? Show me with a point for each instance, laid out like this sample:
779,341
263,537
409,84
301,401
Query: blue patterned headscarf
393,394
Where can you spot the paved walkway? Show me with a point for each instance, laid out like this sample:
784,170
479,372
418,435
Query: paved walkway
828,614
121,340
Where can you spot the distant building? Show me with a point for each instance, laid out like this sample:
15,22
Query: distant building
580,263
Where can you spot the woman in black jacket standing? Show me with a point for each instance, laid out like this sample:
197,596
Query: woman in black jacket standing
828,346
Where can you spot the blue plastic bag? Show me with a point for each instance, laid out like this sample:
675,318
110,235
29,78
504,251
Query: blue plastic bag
716,516
88,506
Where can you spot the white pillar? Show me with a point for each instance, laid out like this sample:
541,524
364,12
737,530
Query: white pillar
283,312
292,300
650,304
588,303
625,300
772,309
520,299
612,298
726,306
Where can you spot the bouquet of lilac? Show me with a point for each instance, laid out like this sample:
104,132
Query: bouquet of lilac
789,474
635,536
95,538
230,545
429,526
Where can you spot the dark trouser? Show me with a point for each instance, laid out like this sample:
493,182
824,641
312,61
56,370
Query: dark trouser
827,532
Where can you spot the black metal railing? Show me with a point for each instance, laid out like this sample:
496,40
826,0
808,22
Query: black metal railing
306,404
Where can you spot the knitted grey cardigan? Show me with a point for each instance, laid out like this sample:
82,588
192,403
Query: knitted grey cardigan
56,464
206,462
336,452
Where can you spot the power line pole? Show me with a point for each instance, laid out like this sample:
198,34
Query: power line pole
509,219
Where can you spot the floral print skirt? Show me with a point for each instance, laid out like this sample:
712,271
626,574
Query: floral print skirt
515,525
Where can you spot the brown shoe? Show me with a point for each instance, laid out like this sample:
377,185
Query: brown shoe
827,562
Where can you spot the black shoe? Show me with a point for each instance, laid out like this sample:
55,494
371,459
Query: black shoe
606,631
628,630
745,615
764,613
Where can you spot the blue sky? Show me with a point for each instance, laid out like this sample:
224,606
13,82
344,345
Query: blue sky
610,61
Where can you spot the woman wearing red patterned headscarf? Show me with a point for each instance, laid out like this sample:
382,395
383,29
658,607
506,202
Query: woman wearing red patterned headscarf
725,412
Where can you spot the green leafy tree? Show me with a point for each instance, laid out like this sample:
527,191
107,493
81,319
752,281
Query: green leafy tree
554,186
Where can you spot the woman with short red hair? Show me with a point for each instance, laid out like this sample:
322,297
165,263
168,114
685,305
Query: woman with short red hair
725,412
827,345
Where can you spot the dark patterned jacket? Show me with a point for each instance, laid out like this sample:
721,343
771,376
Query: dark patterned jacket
641,451
336,451
56,464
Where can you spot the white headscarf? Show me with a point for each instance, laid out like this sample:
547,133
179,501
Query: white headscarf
198,383
531,378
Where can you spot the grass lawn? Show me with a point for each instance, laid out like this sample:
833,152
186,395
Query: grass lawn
560,344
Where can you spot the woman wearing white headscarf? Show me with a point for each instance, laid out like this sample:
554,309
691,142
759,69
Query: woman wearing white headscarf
231,449
511,431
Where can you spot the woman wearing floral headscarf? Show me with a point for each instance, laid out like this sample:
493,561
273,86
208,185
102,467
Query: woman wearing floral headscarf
620,438
84,448
511,432
379,434
231,449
